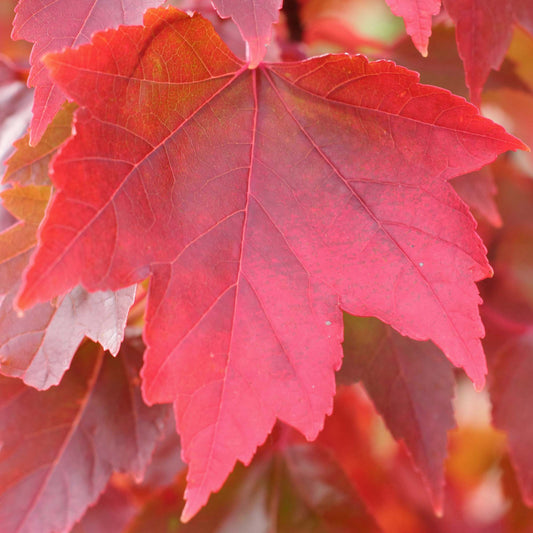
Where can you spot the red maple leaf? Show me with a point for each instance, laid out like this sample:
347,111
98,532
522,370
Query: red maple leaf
261,201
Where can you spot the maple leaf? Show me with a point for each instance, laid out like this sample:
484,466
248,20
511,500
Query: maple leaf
411,386
444,67
510,388
34,346
254,19
417,16
63,444
483,34
260,201
55,24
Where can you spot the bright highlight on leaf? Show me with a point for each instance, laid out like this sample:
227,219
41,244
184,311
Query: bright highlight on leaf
254,19
417,15
261,202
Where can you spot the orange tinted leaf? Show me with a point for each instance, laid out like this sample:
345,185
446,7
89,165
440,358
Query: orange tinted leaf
29,164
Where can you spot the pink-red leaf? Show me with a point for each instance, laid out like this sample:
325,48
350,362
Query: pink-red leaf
412,387
254,19
111,513
55,24
261,202
444,68
483,32
417,15
478,190
59,447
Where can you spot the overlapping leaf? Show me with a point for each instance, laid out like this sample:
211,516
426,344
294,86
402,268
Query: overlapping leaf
261,202
254,19
417,15
55,24
60,446
112,512
29,164
35,346
375,469
444,68
411,385
484,31
478,190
